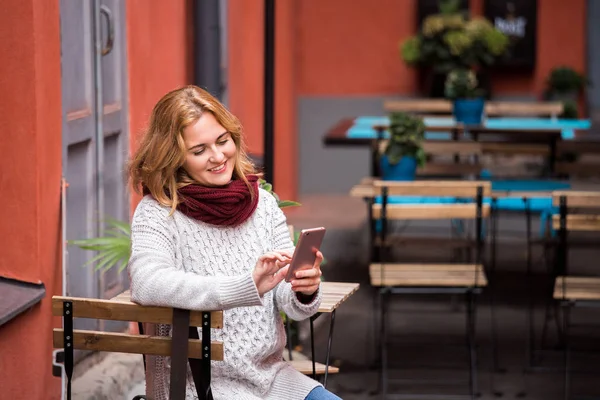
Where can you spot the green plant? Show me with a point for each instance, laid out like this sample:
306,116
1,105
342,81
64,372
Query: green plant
450,40
570,110
462,84
281,203
564,80
113,249
407,133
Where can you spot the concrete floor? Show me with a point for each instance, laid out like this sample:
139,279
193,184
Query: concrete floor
429,330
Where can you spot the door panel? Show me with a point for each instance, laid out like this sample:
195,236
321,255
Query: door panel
81,123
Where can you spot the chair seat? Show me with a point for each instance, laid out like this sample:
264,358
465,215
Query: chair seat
305,367
428,275
577,288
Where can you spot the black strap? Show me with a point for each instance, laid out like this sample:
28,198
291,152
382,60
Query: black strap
201,368
179,353
68,343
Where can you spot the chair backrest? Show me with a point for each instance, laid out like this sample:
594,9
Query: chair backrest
515,108
184,344
578,210
124,310
442,200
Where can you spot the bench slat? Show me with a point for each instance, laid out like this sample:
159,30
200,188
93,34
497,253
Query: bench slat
135,344
577,288
122,309
431,211
428,275
305,367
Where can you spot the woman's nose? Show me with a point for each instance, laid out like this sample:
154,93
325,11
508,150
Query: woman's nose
217,156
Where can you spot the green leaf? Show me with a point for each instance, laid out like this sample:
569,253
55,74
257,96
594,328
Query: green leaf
288,203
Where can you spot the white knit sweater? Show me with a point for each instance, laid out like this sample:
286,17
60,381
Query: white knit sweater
180,262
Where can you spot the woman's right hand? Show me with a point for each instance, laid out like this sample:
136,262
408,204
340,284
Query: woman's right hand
270,269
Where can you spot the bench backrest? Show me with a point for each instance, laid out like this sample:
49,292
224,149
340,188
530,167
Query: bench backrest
183,346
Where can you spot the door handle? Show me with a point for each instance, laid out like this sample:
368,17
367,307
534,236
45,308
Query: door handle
110,40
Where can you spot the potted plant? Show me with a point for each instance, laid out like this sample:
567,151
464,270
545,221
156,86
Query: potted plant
565,84
404,150
450,40
467,98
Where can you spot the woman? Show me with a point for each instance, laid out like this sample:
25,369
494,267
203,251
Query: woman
205,237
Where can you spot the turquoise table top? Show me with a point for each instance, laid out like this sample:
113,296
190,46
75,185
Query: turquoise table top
363,126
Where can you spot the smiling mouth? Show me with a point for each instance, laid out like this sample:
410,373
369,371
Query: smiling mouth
218,168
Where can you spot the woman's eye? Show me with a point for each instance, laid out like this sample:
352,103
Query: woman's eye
199,152
222,142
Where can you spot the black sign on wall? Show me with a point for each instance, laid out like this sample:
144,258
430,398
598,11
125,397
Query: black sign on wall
517,19
429,7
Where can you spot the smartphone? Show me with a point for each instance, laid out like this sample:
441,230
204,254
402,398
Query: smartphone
305,254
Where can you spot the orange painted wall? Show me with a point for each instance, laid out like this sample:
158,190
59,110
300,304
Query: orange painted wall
30,139
245,22
160,56
351,48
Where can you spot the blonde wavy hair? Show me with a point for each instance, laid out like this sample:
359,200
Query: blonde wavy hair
157,165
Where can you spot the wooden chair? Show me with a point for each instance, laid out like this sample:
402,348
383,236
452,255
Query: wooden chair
183,347
423,278
578,212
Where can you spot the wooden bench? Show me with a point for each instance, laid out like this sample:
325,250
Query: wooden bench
184,346
121,308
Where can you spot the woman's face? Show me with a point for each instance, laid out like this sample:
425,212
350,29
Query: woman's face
210,152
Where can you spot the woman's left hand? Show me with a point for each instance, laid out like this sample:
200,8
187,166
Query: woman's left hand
307,281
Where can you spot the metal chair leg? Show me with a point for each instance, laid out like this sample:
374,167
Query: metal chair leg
566,316
383,344
471,331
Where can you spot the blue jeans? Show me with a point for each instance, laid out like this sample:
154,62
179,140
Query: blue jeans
320,393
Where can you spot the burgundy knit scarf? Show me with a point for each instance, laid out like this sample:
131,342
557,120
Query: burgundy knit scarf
228,205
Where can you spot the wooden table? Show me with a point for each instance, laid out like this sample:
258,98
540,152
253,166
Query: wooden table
494,139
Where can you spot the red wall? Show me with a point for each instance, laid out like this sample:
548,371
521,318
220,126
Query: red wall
160,56
351,48
30,139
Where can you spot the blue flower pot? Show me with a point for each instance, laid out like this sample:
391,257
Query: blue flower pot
405,170
468,111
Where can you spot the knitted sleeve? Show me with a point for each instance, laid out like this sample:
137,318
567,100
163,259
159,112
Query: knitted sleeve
285,297
157,279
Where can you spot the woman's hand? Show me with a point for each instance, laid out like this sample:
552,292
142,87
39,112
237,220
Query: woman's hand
271,268
307,281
